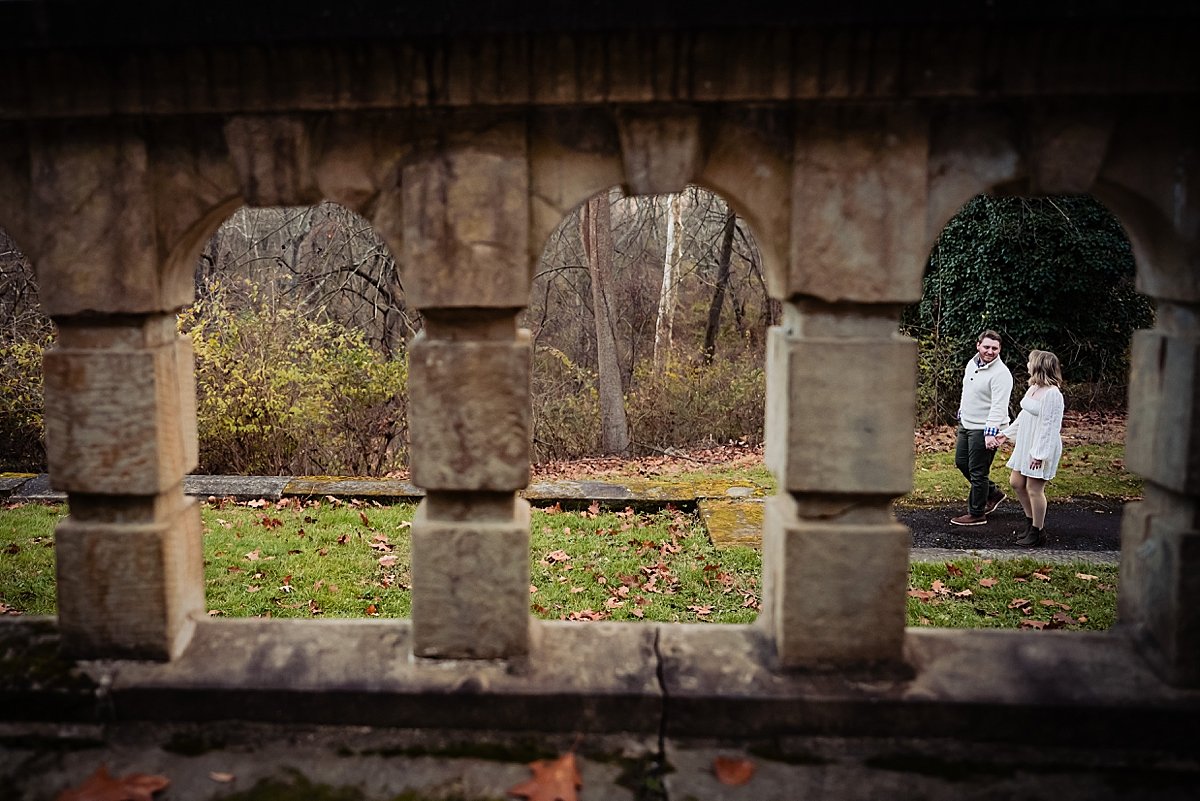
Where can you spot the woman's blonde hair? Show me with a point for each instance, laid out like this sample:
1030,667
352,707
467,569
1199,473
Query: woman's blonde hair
1044,370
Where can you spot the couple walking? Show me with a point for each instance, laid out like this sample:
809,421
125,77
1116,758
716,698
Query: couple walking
983,410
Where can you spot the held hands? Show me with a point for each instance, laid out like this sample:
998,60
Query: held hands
995,442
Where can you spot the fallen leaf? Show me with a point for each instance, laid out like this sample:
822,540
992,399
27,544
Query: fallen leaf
1034,624
254,555
363,517
388,561
953,569
253,588
218,776
963,594
988,582
920,595
1086,576
553,780
733,772
1041,576
100,786
1017,602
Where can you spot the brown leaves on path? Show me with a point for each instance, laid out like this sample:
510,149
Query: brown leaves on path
553,780
733,772
101,786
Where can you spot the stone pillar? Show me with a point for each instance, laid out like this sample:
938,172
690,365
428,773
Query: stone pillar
839,427
119,393
465,241
1151,179
120,436
841,390
1160,536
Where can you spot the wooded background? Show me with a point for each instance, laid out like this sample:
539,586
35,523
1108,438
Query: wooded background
648,318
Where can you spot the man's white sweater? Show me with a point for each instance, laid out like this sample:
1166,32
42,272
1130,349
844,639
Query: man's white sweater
985,393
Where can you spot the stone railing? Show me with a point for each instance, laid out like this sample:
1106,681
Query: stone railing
845,143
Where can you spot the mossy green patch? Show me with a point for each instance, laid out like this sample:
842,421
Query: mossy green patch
733,523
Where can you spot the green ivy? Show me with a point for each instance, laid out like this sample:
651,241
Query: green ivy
1054,273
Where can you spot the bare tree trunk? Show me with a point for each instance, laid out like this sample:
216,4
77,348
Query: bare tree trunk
596,227
714,309
669,291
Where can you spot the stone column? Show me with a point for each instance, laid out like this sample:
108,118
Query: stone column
1160,536
120,436
119,396
1151,178
466,230
841,385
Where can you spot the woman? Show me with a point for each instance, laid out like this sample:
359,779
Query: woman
1038,443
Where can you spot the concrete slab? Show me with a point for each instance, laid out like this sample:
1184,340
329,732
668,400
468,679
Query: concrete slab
732,523
377,489
242,488
638,495
37,489
10,482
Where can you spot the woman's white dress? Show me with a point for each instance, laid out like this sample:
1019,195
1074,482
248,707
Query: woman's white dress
1036,431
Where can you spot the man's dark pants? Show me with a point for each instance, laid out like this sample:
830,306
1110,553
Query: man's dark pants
973,459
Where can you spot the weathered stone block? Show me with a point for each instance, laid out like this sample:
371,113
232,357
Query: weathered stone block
859,188
468,414
272,155
1160,590
128,589
466,224
1163,427
120,422
662,153
840,414
93,220
470,588
833,594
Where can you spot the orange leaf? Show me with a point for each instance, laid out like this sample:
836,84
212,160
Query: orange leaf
953,569
553,780
988,582
734,772
100,786
363,517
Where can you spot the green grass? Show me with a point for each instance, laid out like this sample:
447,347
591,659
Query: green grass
1020,593
1086,471
352,560
27,558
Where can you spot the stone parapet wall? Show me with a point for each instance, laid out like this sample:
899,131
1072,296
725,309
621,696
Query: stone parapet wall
846,142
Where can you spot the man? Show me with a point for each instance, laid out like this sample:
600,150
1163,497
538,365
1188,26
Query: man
982,412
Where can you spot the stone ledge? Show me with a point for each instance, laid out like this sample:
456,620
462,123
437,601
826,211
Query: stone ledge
693,680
